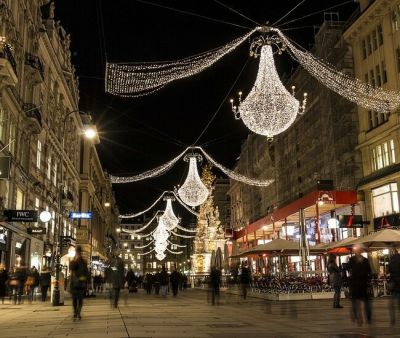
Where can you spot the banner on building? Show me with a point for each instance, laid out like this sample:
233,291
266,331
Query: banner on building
21,215
387,222
350,221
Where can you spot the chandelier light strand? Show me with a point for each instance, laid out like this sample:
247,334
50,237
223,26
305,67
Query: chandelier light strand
184,229
138,79
144,246
146,210
354,90
184,205
177,245
147,174
146,253
142,228
234,175
183,236
175,252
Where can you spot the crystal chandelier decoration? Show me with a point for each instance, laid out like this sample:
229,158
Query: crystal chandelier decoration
143,78
269,109
193,192
168,219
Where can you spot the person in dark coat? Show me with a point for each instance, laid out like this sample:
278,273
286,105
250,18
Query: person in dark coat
156,279
117,277
130,278
174,279
149,283
394,284
164,279
79,279
335,280
215,282
44,281
245,279
360,278
32,282
3,282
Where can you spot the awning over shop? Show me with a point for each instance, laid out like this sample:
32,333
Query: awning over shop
314,203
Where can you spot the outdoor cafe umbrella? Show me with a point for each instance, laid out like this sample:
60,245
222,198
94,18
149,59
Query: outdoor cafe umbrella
346,242
279,246
380,239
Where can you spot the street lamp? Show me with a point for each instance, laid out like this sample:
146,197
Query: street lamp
89,133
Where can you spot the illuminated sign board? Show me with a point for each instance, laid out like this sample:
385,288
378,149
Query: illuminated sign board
80,215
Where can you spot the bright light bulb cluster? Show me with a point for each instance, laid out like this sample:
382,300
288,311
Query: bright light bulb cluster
363,94
193,192
147,174
269,109
138,79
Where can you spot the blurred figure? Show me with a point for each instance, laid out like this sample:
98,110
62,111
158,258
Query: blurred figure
215,281
149,283
245,278
44,281
79,279
335,280
360,277
97,281
164,281
394,284
130,279
156,278
174,278
117,277
32,282
3,282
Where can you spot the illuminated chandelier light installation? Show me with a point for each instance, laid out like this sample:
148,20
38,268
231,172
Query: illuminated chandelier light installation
193,192
269,109
354,90
147,174
168,219
138,79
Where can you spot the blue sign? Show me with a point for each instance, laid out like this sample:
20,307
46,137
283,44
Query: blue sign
80,215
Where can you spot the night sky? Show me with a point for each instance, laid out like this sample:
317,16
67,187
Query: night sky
142,133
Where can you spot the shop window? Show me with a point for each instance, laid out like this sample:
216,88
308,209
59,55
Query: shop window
19,205
385,200
38,154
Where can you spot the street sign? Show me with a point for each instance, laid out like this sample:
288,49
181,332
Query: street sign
21,215
5,164
36,231
350,221
80,215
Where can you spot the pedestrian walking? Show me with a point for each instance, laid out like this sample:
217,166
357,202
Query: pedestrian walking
245,279
79,279
174,278
394,285
360,278
44,282
117,277
335,280
156,278
3,282
32,282
149,283
164,281
215,283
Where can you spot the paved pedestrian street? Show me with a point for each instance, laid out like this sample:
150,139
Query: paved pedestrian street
189,315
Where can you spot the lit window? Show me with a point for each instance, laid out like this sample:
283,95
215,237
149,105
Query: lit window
20,200
38,154
49,167
55,173
385,200
383,155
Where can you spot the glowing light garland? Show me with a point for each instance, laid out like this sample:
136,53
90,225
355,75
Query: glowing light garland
269,109
184,205
147,174
142,228
354,90
183,236
175,252
184,229
193,192
138,79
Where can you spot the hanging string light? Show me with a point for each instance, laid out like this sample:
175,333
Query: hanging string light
147,174
363,94
193,192
269,109
138,79
142,228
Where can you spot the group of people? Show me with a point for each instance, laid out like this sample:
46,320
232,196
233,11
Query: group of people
357,275
21,281
161,280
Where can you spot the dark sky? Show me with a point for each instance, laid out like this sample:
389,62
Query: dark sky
142,133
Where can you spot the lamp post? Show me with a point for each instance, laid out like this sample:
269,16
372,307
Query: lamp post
89,133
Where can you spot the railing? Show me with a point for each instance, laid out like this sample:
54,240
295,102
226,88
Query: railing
34,62
32,111
6,53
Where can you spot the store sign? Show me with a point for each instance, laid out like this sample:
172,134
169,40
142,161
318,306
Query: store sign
21,215
350,221
80,215
5,164
37,231
385,222
67,241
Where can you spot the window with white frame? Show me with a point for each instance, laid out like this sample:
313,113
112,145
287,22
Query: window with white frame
38,154
55,173
48,167
19,205
385,200
11,138
3,124
383,155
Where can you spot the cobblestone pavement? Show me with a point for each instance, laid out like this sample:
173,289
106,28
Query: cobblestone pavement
189,315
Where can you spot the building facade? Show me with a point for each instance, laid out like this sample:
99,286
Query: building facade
53,167
374,35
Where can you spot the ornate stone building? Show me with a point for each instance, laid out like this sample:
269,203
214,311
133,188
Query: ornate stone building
52,167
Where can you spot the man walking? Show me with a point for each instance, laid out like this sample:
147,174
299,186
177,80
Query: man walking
164,279
79,278
245,279
117,277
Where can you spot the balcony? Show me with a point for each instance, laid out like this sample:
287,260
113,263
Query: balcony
8,66
33,117
34,68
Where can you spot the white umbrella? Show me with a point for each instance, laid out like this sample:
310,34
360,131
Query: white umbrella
380,239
